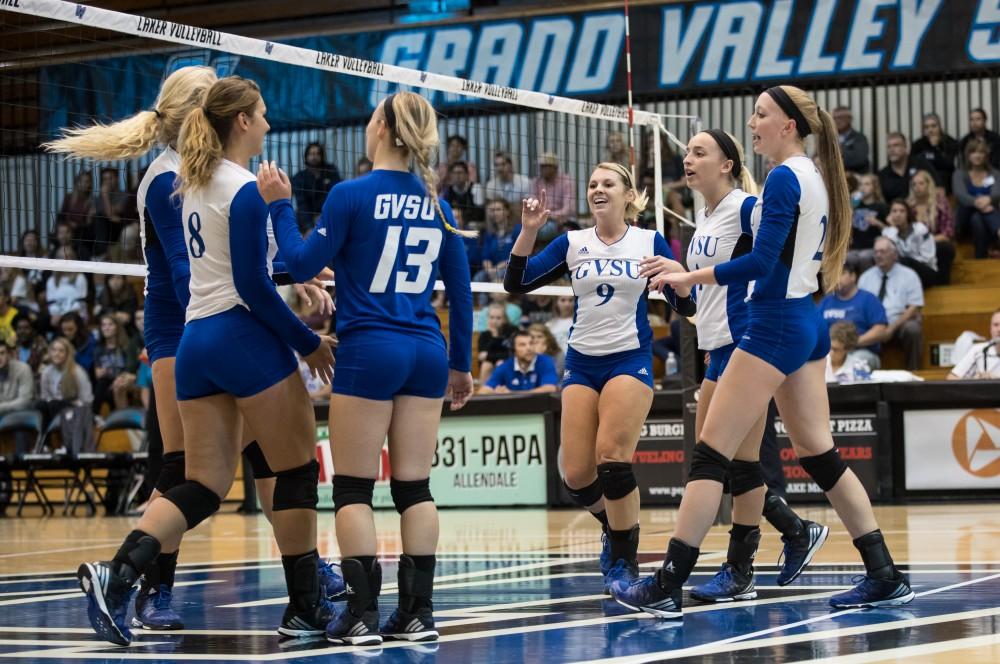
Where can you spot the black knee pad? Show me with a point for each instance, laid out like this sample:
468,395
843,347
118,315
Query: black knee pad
195,501
825,469
586,496
616,478
348,490
708,464
297,488
745,476
258,462
407,493
171,472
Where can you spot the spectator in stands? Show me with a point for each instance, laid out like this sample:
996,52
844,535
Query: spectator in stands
937,147
501,222
65,291
546,344
932,209
363,167
853,144
895,178
311,185
506,184
129,247
63,235
30,346
116,362
914,242
977,189
464,194
560,192
526,371
978,129
78,205
617,150
109,210
73,329
562,320
17,382
848,303
63,382
30,246
841,360
118,298
982,360
870,214
536,309
455,151
493,346
8,312
502,298
898,289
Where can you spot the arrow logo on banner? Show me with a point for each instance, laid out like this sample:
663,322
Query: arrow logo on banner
976,442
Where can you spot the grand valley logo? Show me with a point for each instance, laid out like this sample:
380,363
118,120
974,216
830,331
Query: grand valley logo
976,442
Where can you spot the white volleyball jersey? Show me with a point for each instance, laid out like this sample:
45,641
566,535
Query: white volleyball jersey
158,183
718,238
207,231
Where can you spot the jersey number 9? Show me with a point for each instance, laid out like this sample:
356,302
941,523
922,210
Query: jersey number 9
606,291
421,258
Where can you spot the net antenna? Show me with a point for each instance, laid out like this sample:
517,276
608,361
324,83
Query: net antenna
631,110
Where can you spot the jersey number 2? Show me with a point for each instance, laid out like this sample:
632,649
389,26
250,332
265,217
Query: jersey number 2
423,260
819,250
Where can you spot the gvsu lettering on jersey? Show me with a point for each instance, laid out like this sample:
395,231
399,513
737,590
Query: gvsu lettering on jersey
703,245
394,206
608,267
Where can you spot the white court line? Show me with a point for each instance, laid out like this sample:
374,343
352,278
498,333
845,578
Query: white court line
67,594
895,654
63,550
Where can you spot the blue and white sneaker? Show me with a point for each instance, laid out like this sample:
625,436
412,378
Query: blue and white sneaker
417,626
307,624
799,551
622,571
870,593
647,595
108,598
346,628
153,611
332,580
605,560
728,585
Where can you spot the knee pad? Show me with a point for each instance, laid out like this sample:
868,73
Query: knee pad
171,473
617,479
258,462
297,488
348,490
825,469
586,496
745,476
195,501
708,464
407,493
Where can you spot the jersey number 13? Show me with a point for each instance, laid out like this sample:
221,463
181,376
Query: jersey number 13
419,257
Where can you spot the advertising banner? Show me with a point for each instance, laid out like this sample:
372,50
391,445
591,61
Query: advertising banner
480,461
952,449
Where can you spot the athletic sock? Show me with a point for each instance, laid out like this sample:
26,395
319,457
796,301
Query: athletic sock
166,564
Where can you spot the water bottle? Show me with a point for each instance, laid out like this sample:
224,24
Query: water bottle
862,372
671,363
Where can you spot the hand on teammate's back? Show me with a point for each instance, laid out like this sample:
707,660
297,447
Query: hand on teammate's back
459,388
320,361
272,182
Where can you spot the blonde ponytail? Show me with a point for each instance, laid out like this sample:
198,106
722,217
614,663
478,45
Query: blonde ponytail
636,206
416,128
202,136
135,136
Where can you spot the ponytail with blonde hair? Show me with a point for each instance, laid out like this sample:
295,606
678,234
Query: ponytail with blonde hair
838,231
412,124
634,207
207,127
135,136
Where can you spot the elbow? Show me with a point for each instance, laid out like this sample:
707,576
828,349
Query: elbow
513,285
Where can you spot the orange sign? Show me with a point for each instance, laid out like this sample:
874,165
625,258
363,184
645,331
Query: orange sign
976,442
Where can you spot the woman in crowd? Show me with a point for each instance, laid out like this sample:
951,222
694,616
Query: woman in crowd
977,188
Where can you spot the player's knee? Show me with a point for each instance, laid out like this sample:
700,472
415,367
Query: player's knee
708,463
297,488
171,473
617,479
745,476
611,448
407,493
195,501
586,495
826,469
349,490
576,474
258,462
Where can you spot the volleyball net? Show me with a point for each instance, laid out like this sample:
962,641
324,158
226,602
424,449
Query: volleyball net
64,64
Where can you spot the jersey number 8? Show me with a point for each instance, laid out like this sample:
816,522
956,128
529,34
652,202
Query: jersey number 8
423,259
197,243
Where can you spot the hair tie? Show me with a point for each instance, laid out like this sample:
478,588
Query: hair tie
786,104
390,118
729,149
159,116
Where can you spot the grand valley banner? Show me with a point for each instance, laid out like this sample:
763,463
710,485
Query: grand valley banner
677,47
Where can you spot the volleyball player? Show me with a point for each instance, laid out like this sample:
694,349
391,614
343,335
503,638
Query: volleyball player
233,360
714,167
166,297
804,225
608,378
388,237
